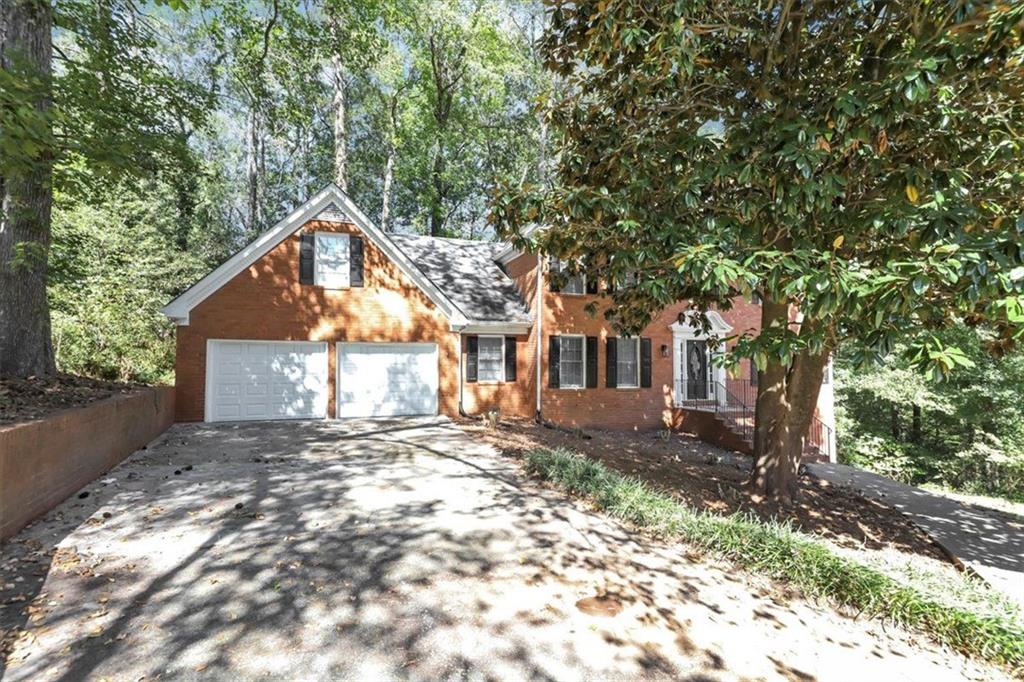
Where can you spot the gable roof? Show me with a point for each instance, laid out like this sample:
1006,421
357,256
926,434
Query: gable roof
329,199
449,293
466,271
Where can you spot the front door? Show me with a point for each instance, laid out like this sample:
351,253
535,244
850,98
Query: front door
695,368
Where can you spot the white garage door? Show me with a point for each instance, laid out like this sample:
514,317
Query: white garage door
266,380
387,379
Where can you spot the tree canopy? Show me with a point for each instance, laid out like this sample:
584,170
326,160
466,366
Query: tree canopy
857,165
176,131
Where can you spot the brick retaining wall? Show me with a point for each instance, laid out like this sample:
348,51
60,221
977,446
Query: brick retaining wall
44,461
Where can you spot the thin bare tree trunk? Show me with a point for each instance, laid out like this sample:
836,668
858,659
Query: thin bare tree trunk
255,171
340,130
389,179
389,164
26,198
437,181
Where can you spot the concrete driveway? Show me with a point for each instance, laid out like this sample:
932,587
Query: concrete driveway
393,549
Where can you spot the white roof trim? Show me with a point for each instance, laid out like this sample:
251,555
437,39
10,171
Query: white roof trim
510,252
719,326
515,328
178,309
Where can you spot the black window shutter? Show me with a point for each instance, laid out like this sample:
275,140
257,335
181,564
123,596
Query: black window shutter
307,252
355,261
554,361
611,366
591,362
553,268
591,284
645,362
510,358
472,358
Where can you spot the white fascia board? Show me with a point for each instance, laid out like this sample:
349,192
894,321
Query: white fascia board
499,328
178,309
510,252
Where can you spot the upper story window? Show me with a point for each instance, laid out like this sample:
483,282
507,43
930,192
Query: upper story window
574,284
572,361
491,358
627,362
332,260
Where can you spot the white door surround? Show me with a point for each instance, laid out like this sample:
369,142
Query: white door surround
386,379
258,380
691,330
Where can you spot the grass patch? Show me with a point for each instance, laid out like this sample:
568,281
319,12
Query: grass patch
778,551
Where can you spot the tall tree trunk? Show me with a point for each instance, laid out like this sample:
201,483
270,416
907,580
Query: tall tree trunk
26,198
389,179
787,396
915,425
340,130
437,200
894,421
254,172
389,164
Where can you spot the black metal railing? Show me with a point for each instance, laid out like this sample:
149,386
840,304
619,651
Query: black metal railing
819,439
734,404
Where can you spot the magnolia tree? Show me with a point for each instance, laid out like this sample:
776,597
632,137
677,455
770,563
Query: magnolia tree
857,165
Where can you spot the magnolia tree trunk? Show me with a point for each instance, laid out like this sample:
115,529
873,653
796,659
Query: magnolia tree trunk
787,395
25,201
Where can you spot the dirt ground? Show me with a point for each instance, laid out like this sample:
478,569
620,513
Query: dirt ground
32,398
709,478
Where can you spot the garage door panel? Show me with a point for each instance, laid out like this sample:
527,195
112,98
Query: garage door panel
253,380
387,379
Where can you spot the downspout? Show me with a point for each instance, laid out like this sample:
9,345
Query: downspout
462,412
540,336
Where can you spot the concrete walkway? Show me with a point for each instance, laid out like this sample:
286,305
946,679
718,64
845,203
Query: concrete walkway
988,541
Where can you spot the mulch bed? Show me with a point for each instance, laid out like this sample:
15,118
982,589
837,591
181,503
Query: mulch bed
34,397
708,478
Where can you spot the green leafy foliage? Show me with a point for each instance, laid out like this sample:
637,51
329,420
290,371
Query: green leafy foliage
859,162
114,264
968,432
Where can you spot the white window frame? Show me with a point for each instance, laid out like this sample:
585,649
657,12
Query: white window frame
583,360
502,379
335,280
583,282
618,375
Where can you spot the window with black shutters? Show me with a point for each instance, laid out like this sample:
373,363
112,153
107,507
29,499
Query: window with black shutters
491,359
572,361
627,362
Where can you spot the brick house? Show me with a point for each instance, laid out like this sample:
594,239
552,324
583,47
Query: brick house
324,315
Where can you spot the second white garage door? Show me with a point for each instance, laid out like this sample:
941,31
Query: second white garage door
387,379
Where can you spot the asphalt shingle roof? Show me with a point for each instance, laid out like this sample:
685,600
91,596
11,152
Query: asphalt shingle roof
466,272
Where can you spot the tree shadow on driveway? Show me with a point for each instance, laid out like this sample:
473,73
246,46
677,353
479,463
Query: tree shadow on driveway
384,549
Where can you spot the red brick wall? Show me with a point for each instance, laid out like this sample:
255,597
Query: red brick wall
623,408
267,302
520,398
